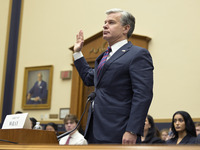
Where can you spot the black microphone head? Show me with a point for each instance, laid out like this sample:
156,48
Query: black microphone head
92,96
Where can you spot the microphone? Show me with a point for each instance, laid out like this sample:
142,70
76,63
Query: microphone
90,98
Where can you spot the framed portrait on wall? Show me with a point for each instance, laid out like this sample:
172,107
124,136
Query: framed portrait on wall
37,87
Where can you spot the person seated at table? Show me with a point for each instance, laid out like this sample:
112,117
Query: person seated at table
150,134
75,138
51,127
183,129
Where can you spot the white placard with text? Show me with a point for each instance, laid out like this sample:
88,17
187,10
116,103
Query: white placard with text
17,121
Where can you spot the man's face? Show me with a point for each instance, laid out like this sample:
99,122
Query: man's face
70,125
39,77
198,130
113,31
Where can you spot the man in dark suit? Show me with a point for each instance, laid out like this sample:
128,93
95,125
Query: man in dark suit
123,80
38,93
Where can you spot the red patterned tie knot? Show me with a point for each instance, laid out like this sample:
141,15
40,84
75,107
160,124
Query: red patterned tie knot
103,60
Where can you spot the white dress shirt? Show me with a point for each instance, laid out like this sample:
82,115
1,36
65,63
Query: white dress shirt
76,139
115,47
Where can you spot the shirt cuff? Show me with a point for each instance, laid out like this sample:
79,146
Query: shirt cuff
77,55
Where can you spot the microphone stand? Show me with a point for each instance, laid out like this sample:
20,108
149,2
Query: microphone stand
90,98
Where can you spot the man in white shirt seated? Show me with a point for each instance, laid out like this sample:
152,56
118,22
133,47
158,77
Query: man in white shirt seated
75,138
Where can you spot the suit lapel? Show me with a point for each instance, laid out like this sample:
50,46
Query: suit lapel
120,52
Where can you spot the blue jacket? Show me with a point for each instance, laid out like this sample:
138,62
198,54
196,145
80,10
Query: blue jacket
123,92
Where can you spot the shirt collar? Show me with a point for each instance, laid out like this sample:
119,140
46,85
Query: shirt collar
74,134
118,45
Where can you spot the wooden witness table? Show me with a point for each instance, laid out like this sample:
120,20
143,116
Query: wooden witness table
98,147
28,139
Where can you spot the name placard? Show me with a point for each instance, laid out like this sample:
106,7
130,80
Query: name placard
17,121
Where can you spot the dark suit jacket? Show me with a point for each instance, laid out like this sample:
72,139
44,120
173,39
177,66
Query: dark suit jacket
40,91
123,92
153,140
186,140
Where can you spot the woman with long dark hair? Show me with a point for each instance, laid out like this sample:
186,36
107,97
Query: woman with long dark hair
183,129
150,132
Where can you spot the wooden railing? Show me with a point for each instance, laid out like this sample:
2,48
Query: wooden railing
98,147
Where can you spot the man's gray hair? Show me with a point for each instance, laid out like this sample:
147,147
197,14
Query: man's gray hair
126,19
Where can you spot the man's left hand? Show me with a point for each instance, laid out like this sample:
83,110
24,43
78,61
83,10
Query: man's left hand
129,138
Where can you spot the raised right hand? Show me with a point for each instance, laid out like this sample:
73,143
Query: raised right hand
79,42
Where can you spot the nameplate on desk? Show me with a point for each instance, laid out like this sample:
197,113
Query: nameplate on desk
17,121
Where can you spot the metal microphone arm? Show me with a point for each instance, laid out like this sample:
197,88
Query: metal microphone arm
90,98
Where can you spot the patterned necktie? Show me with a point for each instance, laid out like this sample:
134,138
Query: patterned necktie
67,143
103,61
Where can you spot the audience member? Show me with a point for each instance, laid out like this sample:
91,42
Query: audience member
33,122
164,134
150,136
51,127
197,126
183,129
75,138
18,112
198,139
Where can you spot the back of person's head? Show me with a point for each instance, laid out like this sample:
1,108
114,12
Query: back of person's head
126,19
189,124
52,125
71,118
33,120
18,112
